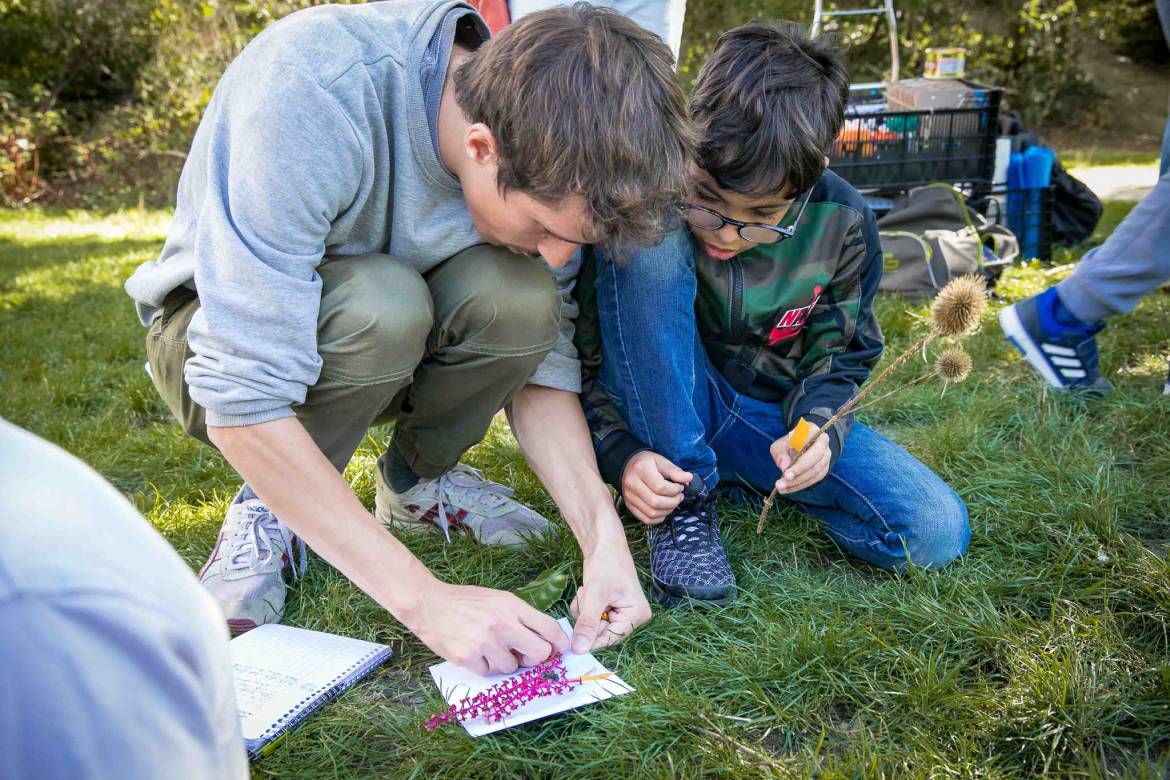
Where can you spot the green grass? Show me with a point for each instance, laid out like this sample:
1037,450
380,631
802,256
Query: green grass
1085,157
1046,649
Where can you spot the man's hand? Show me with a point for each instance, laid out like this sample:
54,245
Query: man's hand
610,586
484,630
481,629
806,472
652,486
552,433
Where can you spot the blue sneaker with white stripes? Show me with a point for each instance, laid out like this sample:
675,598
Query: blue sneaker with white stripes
1060,348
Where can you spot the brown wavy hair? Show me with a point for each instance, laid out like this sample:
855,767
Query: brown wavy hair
584,102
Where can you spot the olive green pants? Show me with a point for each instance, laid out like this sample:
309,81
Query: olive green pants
439,353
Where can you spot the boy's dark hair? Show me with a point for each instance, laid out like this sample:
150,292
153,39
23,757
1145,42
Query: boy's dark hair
584,102
768,104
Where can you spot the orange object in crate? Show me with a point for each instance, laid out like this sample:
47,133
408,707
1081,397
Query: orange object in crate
855,138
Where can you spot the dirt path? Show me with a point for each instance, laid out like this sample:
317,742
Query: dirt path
1118,182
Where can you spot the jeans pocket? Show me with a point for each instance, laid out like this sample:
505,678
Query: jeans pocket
176,299
166,358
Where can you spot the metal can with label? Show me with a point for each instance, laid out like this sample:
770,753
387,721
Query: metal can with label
945,62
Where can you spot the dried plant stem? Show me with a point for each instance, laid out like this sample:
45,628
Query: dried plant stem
898,389
845,409
752,755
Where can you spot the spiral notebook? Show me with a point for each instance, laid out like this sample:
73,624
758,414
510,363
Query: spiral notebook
285,674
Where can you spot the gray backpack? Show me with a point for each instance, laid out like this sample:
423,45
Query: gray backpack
931,236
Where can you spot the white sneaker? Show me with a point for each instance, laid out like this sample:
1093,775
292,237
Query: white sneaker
245,573
480,508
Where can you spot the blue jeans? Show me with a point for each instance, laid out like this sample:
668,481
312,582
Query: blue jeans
878,502
1164,165
1164,18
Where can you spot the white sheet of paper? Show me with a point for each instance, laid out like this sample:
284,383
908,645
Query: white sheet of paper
455,683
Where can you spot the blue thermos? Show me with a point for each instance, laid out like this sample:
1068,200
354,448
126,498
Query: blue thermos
1038,161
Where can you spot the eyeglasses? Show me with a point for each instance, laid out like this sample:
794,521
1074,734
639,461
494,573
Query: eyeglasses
756,232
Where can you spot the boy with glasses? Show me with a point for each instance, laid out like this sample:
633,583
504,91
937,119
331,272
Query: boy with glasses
707,349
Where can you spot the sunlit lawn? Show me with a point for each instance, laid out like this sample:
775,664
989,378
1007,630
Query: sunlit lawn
1046,648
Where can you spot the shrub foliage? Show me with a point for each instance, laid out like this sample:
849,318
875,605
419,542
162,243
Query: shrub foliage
99,98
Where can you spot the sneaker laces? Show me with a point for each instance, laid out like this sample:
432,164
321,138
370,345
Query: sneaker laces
254,543
692,523
483,494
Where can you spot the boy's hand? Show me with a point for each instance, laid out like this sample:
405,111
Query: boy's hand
806,472
652,486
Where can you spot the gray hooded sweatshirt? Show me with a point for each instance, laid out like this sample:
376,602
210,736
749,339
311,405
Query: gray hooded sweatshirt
317,141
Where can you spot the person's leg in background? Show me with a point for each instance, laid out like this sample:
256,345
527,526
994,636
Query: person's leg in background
879,502
1164,168
1164,17
1113,278
1056,330
664,18
654,370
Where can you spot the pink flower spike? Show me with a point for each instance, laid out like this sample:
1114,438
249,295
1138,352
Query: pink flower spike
507,696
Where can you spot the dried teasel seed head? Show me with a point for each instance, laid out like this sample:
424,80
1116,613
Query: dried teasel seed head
953,365
959,306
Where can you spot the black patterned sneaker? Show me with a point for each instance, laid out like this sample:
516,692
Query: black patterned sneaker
687,560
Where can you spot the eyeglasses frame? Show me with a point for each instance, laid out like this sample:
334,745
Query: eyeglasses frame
783,232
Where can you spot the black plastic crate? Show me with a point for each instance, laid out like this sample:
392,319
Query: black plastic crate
897,150
1027,213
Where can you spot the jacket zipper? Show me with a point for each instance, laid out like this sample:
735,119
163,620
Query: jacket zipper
736,315
745,355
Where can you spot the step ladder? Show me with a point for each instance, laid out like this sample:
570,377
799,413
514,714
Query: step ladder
820,14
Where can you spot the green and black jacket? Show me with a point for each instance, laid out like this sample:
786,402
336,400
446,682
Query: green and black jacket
789,323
